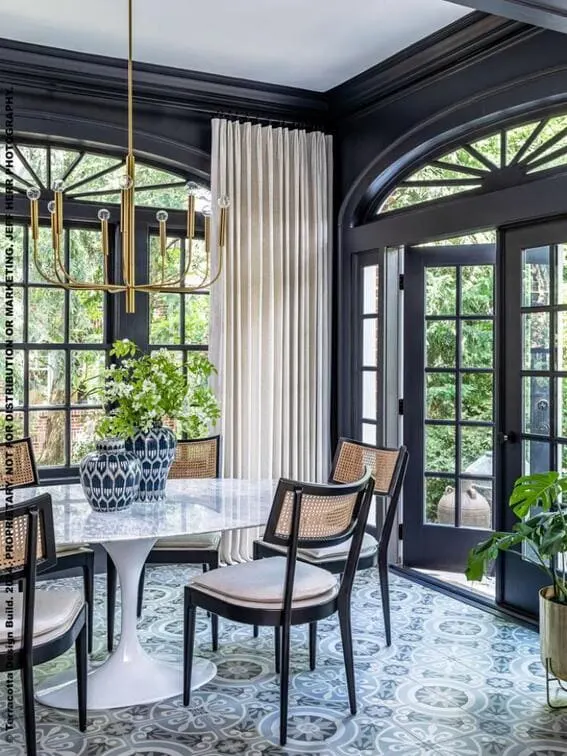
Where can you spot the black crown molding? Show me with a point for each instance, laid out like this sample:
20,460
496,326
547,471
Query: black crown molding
37,67
469,40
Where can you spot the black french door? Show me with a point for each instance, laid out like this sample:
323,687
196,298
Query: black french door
449,402
534,373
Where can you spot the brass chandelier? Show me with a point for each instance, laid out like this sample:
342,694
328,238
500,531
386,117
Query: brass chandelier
61,276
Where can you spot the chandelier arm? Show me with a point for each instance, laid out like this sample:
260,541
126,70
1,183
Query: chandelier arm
203,286
179,279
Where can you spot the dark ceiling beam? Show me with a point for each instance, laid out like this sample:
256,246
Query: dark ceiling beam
548,14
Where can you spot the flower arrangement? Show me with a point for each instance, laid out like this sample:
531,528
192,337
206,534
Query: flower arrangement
143,390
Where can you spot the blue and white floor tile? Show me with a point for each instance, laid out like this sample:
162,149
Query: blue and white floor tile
455,682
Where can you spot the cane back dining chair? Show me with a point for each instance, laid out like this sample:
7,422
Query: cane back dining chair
23,474
198,458
388,467
282,591
43,623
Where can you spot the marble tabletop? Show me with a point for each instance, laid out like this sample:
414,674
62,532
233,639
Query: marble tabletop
190,507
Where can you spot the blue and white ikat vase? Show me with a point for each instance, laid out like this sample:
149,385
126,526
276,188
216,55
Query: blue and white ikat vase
110,476
155,449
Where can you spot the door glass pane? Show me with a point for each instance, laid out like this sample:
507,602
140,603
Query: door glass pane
535,333
476,450
440,501
440,448
561,340
370,290
535,456
440,343
440,396
369,433
477,343
476,504
535,277
561,274
477,289
477,396
441,291
369,390
369,342
536,397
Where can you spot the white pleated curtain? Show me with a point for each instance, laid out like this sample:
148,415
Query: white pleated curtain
270,309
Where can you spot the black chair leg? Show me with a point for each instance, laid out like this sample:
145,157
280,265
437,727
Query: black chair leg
88,587
215,632
284,682
277,647
385,593
188,642
312,645
141,591
29,709
255,631
255,556
111,584
81,666
346,638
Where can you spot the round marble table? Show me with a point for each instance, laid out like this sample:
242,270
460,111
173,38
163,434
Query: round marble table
130,676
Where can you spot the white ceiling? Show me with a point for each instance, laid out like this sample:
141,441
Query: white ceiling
315,44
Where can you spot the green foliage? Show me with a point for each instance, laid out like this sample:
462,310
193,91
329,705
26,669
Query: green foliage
544,533
144,389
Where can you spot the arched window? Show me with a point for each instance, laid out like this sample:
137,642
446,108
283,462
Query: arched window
504,158
62,337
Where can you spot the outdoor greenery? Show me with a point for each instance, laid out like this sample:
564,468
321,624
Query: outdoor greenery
144,389
543,534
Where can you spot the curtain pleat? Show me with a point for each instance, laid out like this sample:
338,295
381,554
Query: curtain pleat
270,309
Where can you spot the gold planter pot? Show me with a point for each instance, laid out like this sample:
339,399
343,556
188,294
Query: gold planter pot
553,634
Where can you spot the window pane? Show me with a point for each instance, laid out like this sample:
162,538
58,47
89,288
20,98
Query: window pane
45,256
477,343
370,290
477,290
369,389
476,448
196,318
536,398
47,430
440,396
441,343
561,274
170,265
17,379
87,377
440,448
561,340
36,158
535,347
535,277
369,433
440,291
16,248
12,309
15,425
86,317
47,377
86,261
477,396
198,268
46,312
439,495
83,438
165,318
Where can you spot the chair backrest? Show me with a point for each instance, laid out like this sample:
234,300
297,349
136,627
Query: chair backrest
313,515
27,545
17,464
197,458
388,469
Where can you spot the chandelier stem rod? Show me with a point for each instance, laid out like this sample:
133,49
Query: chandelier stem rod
130,81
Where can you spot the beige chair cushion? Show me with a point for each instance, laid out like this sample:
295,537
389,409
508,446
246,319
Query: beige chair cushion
55,613
261,584
201,541
331,553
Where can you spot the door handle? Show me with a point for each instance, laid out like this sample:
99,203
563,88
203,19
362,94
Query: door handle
507,438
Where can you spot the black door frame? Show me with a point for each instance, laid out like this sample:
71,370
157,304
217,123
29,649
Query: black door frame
428,544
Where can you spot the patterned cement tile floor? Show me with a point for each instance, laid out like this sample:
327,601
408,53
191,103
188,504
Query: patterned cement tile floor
456,682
